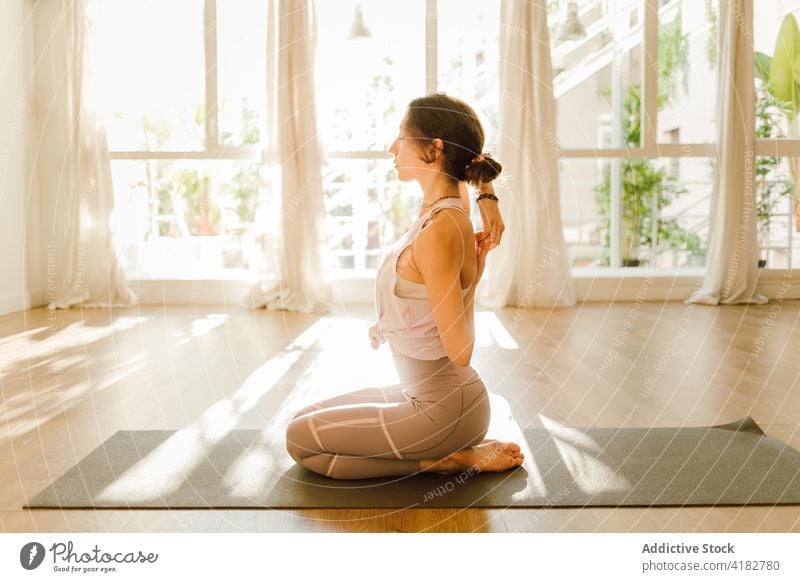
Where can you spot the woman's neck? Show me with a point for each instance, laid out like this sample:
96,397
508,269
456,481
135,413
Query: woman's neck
437,189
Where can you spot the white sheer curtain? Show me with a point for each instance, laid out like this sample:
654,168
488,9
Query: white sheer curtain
530,268
732,260
299,281
73,166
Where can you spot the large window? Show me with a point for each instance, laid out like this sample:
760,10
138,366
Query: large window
182,85
374,57
634,84
634,87
148,107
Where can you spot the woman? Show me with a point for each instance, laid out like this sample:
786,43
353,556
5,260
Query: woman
436,419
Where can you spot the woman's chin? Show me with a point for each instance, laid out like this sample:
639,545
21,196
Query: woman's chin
403,175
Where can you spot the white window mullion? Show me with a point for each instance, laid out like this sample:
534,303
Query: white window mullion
778,147
210,44
360,174
649,112
666,150
431,47
231,153
618,75
359,155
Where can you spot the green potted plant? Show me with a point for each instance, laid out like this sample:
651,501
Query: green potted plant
672,236
771,187
202,215
646,191
646,188
780,76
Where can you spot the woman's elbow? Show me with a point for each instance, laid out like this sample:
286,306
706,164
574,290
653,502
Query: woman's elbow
458,344
464,357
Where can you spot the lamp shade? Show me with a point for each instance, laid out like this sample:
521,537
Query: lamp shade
358,29
572,28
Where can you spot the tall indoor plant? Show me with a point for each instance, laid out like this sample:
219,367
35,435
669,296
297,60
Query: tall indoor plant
771,186
781,78
646,191
646,188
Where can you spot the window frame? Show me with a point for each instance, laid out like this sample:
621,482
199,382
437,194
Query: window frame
650,147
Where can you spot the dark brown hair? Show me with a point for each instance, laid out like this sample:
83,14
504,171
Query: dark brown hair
457,125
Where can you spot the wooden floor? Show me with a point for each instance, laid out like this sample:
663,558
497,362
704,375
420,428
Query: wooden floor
72,378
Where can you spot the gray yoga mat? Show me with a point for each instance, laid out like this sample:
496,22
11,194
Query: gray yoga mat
729,464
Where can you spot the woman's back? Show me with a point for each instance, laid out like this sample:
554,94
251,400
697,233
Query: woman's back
407,322
448,217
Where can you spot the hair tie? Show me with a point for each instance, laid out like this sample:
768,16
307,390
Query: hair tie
480,158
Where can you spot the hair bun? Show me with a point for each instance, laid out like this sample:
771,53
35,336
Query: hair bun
482,168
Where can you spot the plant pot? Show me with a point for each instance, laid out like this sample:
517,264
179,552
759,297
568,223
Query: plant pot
629,244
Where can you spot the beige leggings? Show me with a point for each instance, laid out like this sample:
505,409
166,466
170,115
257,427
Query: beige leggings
437,409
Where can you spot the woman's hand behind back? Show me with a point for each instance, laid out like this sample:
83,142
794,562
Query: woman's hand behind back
482,247
493,225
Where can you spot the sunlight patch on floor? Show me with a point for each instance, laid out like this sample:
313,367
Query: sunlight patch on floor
579,453
490,331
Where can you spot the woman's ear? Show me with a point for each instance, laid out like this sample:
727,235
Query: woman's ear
438,147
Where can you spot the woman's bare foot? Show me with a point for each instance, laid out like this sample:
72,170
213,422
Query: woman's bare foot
490,455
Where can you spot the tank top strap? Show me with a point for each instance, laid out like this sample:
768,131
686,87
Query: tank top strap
441,205
450,202
417,227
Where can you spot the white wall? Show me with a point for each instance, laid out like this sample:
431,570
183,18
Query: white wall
21,268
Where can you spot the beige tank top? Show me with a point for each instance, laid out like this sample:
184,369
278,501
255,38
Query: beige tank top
405,318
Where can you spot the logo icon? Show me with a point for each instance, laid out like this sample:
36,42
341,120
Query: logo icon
31,555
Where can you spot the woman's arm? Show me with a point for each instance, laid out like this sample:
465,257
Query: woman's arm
482,249
439,254
491,218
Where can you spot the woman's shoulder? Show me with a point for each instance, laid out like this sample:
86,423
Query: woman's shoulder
445,229
447,217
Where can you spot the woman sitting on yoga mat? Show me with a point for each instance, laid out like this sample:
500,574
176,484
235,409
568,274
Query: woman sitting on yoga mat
436,419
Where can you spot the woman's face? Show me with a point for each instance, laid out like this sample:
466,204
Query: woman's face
407,160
